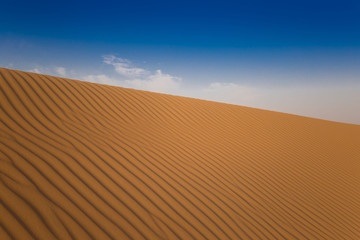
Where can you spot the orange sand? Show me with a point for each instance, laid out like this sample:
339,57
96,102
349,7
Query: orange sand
88,161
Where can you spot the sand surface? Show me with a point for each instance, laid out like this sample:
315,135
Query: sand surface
88,161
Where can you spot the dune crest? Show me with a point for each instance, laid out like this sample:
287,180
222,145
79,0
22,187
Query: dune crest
81,160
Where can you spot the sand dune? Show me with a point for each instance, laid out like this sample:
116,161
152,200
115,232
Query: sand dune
88,161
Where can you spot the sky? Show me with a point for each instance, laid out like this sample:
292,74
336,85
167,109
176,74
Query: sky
300,57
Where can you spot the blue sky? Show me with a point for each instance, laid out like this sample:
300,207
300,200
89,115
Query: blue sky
300,57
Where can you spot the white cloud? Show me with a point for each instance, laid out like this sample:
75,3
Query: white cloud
103,79
35,70
138,78
157,82
123,66
61,71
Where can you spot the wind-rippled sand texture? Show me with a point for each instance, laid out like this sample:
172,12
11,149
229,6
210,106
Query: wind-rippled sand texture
88,161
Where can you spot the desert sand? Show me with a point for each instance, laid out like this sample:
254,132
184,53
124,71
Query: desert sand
81,160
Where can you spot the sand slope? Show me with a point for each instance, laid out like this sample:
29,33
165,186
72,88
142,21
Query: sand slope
88,161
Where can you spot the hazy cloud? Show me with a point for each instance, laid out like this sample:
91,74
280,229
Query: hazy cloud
35,70
102,79
60,71
56,71
332,102
229,92
157,82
